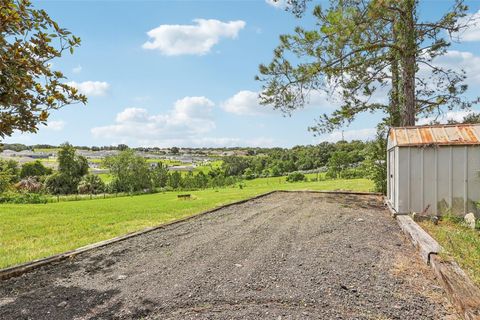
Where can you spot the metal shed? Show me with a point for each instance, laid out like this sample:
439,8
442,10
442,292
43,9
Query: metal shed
434,169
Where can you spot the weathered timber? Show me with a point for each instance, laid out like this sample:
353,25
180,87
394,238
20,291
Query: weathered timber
425,244
462,292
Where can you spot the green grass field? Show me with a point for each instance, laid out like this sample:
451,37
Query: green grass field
31,231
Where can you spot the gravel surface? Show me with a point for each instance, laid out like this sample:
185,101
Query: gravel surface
283,256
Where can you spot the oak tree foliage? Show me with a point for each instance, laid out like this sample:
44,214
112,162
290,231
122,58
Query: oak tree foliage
29,87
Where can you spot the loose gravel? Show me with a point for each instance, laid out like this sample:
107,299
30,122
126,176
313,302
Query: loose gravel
282,256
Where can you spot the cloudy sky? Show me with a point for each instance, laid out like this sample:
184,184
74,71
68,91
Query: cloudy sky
181,73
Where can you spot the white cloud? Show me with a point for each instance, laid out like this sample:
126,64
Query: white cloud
445,117
281,4
465,60
55,125
77,69
244,103
189,123
356,134
196,39
190,118
472,30
91,88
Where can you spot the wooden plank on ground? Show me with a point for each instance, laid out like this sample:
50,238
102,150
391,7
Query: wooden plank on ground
425,244
462,292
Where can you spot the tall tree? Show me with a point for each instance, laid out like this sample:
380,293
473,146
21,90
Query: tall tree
360,48
29,88
130,171
71,169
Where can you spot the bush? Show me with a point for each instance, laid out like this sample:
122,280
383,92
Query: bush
22,198
30,184
295,177
249,174
34,169
376,161
59,183
91,184
352,173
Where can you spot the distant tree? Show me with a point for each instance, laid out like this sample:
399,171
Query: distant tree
235,166
71,169
275,171
295,177
174,180
174,150
14,146
72,166
130,172
159,175
249,174
34,169
29,88
472,118
376,161
338,162
189,181
122,147
201,180
59,183
91,184
9,174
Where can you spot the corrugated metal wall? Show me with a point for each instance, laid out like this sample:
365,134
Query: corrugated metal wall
442,178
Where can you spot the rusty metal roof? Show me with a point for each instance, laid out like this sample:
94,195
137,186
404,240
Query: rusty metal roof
456,134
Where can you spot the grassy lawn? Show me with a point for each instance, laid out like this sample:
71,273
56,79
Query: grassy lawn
209,167
460,243
33,231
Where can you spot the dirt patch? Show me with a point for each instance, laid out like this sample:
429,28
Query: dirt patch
283,256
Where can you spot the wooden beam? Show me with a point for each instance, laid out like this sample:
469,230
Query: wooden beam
461,291
425,244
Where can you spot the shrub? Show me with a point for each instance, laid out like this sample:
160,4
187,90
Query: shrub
22,198
249,174
296,176
352,173
30,184
376,161
59,183
91,184
34,169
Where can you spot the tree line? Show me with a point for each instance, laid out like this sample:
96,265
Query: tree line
130,173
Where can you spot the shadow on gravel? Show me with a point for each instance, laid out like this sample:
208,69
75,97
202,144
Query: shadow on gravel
354,201
59,302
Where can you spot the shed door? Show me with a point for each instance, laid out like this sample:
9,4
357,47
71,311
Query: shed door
391,175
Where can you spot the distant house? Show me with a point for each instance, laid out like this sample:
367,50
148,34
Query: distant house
434,169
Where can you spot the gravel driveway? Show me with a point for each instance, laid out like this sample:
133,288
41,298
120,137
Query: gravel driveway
282,256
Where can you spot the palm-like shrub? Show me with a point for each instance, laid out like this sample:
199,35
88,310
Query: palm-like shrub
91,184
29,184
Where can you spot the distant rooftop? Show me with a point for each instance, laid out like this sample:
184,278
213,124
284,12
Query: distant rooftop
455,134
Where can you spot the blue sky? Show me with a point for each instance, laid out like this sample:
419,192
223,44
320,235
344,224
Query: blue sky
181,73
